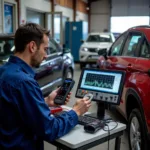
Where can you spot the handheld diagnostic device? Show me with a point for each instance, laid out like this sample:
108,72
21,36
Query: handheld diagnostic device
64,91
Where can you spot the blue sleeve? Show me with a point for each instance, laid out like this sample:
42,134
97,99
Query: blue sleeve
36,114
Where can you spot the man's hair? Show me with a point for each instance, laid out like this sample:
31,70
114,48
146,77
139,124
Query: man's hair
27,33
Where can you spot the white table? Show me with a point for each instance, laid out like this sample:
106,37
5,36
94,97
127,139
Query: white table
78,139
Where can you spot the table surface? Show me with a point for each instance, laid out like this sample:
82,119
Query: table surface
77,137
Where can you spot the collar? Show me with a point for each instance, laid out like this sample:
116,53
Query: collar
22,64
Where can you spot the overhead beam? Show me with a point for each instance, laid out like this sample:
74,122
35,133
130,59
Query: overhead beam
52,10
18,11
74,9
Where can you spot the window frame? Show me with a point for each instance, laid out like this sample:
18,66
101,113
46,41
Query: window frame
140,49
128,40
124,36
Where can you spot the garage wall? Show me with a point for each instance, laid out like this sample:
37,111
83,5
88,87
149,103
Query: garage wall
36,17
130,8
67,12
38,5
100,16
81,16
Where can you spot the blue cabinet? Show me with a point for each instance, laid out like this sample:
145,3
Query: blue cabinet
74,33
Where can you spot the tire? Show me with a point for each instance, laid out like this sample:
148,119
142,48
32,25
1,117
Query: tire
69,74
136,131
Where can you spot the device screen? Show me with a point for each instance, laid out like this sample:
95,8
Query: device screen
64,88
101,81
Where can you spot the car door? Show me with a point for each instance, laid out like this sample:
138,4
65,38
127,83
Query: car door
114,54
143,61
128,62
123,56
49,74
143,77
44,74
56,57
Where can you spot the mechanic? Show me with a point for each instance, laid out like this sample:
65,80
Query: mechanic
25,118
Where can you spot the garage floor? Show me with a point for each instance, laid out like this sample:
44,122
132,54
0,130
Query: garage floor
114,114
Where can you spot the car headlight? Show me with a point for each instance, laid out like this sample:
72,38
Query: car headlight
84,49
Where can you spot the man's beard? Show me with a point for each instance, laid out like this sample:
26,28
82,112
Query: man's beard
35,62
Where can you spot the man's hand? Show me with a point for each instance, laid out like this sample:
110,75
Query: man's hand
50,98
82,106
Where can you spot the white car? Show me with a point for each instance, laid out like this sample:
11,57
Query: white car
88,53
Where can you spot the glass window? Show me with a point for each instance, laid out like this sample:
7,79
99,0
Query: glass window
52,47
6,47
121,24
99,38
145,49
131,44
116,48
57,45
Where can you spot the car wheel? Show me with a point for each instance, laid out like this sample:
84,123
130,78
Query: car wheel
69,74
136,131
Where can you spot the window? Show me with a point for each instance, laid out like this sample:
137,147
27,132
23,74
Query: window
116,48
99,38
122,23
6,47
144,50
52,47
131,44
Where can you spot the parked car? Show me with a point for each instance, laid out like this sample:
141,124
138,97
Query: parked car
94,43
131,53
52,71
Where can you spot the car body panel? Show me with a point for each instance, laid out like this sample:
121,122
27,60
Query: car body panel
137,68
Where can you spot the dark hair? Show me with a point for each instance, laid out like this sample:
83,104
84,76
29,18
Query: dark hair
27,33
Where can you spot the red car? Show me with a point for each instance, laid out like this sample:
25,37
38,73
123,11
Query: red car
131,53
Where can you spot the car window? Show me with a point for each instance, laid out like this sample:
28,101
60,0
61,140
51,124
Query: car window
116,48
52,47
105,38
6,46
99,38
131,44
144,49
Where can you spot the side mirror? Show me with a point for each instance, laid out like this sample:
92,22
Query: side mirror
103,52
66,50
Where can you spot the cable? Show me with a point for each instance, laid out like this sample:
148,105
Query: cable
106,124
108,134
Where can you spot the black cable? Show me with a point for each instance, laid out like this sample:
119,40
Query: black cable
108,135
108,121
106,124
